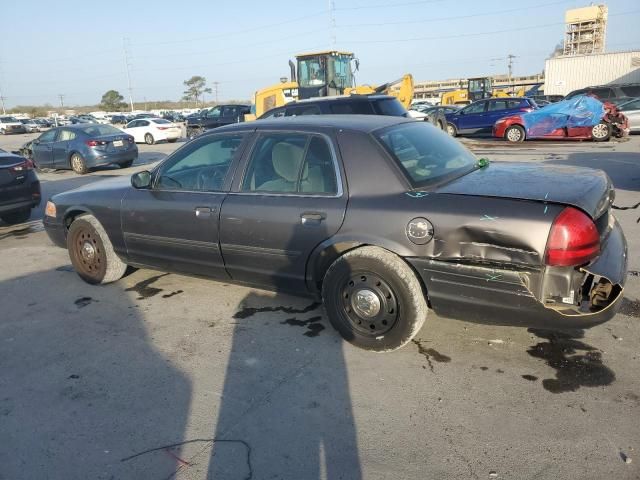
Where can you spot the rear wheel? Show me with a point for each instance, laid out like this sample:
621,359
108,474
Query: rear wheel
126,164
374,299
78,164
601,132
451,130
148,139
172,140
20,216
91,252
514,134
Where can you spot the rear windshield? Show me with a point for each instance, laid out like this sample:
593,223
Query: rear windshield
426,154
97,130
160,120
389,106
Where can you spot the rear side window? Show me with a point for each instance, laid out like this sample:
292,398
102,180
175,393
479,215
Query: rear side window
389,106
633,105
601,92
517,103
292,163
358,108
631,91
498,105
66,135
425,154
302,110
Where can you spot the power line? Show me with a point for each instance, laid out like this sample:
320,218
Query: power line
390,5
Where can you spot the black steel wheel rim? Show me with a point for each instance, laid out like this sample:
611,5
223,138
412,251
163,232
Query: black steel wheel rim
369,304
88,252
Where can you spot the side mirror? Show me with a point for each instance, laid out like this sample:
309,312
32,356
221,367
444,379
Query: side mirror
36,141
141,180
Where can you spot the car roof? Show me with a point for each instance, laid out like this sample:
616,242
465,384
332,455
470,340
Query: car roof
363,123
343,98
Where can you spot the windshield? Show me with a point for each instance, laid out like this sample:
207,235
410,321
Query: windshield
9,119
97,130
160,121
312,71
426,154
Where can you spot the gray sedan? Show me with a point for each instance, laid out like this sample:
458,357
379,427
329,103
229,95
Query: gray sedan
83,146
631,109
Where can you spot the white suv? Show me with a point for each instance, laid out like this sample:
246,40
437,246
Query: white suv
11,125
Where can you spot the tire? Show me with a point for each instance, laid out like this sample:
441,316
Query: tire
126,164
148,139
601,132
440,125
78,164
172,140
514,134
452,130
398,308
2,131
14,218
91,252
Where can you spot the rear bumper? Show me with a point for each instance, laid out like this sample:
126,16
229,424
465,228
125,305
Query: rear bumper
21,196
549,298
98,159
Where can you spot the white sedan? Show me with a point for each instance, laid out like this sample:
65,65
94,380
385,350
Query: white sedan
152,130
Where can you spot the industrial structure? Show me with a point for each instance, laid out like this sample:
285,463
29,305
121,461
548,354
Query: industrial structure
585,30
434,89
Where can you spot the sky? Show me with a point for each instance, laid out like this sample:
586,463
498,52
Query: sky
75,48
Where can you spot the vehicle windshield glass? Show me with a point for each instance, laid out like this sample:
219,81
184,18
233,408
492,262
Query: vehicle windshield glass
8,119
311,71
161,120
340,71
389,106
96,129
425,154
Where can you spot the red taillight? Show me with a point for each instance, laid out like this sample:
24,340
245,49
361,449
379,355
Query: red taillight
527,109
573,240
21,167
162,128
95,143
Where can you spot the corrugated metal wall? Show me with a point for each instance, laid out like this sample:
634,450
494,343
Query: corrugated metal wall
564,74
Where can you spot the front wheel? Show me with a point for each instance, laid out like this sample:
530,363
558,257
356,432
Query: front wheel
451,130
601,132
148,139
126,164
172,140
374,299
91,252
78,164
514,134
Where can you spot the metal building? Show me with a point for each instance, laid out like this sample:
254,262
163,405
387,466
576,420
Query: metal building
585,30
565,74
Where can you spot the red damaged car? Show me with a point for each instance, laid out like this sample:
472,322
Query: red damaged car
580,118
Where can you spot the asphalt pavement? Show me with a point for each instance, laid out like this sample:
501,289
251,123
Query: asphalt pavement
164,376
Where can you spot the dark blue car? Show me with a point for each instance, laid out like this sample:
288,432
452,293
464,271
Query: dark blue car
480,116
83,146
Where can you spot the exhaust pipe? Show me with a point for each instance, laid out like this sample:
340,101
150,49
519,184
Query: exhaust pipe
292,66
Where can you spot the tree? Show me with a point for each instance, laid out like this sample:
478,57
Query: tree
112,101
196,86
558,50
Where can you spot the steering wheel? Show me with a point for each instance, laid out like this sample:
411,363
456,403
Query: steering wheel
208,177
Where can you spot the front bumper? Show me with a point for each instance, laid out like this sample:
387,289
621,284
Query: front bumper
56,231
555,298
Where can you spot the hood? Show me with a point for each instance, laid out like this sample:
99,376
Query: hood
119,183
584,188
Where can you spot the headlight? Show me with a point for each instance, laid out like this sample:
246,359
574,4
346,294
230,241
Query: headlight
50,209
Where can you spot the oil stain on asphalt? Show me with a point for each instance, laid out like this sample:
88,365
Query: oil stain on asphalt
250,311
84,301
431,354
630,308
313,327
144,288
573,369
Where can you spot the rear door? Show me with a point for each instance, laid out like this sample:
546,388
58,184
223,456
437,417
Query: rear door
133,130
290,199
61,148
42,148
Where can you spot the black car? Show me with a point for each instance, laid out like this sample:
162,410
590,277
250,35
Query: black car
380,216
19,188
215,117
609,92
343,105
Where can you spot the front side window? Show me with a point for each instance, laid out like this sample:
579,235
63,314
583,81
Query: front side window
201,165
631,91
47,137
311,72
291,163
425,154
214,112
477,107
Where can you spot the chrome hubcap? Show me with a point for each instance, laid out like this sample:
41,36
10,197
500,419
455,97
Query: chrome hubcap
88,251
513,135
366,303
599,131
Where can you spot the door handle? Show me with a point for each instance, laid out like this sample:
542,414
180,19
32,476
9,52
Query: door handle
205,212
312,218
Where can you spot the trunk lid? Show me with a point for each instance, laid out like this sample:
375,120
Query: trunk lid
584,188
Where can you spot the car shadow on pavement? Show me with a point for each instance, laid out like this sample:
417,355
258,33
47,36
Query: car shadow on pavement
622,167
83,387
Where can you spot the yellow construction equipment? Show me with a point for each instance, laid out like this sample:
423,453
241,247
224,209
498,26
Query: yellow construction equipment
477,89
324,74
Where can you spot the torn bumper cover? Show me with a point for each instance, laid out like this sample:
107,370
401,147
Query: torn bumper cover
548,297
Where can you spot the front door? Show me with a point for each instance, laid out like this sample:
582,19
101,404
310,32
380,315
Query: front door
289,200
173,226
471,118
42,148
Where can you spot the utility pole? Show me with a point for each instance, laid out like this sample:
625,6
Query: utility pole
332,22
215,90
4,112
510,59
127,65
61,97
